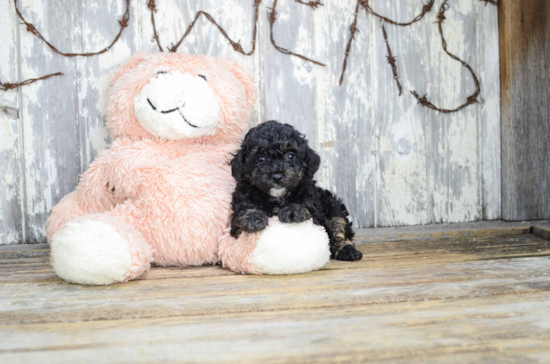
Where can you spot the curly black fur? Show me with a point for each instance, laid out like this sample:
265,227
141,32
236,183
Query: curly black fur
274,170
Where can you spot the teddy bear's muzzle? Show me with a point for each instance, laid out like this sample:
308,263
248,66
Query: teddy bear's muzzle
172,97
178,109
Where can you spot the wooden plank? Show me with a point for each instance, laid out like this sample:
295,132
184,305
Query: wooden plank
18,257
454,151
443,231
237,294
425,172
488,71
93,73
346,125
11,197
524,48
33,267
403,191
435,231
62,117
290,94
389,272
51,142
426,331
30,263
386,249
409,301
24,247
542,230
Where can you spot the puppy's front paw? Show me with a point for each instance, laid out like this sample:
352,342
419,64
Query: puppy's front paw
294,213
349,253
254,221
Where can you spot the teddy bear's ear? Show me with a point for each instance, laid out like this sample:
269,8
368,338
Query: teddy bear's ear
130,63
243,76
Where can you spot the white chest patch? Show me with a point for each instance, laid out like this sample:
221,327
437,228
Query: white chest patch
277,192
177,106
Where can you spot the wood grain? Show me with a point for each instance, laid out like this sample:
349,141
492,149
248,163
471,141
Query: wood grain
411,332
488,72
32,294
454,300
542,230
444,231
53,303
347,143
455,158
63,126
403,191
524,48
289,83
34,266
11,197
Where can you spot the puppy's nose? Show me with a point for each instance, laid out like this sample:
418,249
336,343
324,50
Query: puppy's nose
277,177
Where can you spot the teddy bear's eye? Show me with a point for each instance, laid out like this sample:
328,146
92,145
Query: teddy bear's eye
160,72
260,158
203,77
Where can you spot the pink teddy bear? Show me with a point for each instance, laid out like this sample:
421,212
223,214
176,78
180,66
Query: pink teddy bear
161,193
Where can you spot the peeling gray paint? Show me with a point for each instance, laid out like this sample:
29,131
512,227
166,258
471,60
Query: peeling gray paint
393,162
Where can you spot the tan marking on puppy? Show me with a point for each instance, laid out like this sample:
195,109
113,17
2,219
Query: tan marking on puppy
286,146
337,227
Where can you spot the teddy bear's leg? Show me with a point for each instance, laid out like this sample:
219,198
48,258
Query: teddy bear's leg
279,249
100,249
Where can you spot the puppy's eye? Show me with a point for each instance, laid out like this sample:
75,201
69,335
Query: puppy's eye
203,77
290,156
260,158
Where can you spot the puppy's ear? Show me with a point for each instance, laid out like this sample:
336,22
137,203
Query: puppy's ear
237,164
313,160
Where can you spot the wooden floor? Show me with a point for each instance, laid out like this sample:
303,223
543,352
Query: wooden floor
471,295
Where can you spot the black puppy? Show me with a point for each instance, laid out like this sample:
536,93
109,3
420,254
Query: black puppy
274,171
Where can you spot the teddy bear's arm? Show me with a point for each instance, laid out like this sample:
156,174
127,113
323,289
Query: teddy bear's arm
92,195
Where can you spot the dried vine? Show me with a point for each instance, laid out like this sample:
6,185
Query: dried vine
272,16
314,4
470,99
236,45
151,5
391,60
425,9
353,29
5,86
32,29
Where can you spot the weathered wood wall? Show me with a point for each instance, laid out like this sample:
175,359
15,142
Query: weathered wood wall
393,161
525,67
